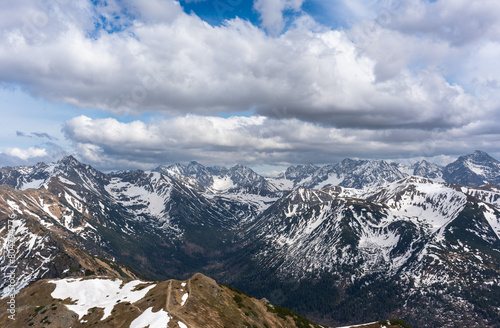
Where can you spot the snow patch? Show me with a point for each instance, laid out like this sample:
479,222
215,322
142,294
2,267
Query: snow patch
223,183
35,184
184,298
102,293
152,319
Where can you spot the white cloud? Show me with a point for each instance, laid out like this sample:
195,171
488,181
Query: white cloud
26,154
458,21
271,13
187,65
47,152
110,144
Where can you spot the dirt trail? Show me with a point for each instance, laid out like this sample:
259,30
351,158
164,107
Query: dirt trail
169,291
176,310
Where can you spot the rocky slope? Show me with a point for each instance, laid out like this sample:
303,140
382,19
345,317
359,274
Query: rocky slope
39,239
146,220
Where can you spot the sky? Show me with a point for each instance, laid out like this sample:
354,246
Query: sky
128,84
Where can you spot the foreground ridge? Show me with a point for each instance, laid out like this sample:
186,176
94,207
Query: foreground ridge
197,302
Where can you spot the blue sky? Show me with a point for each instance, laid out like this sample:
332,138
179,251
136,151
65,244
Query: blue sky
124,84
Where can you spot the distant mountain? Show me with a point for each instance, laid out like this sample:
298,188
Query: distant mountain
198,302
349,173
26,177
475,169
217,180
428,170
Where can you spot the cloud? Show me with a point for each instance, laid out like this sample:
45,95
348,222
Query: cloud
110,144
271,13
47,152
37,135
185,65
25,154
456,39
458,22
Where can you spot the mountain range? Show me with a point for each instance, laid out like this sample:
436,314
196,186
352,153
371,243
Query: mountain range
356,241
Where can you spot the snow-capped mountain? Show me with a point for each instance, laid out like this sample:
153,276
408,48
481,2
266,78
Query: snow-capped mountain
349,173
193,173
124,215
294,176
218,180
339,242
238,189
49,238
319,230
475,169
428,170
26,177
411,235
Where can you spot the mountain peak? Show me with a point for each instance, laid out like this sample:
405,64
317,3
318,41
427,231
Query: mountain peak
480,155
474,169
240,166
70,159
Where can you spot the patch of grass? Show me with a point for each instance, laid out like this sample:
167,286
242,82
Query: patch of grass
236,290
38,309
238,299
400,322
283,312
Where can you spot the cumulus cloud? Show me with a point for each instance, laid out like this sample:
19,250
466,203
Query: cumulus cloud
108,143
25,154
47,152
271,13
180,64
458,22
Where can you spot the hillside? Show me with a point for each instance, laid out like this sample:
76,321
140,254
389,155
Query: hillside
105,302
